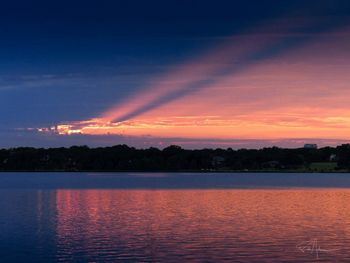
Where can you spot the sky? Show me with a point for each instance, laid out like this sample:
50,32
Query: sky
240,74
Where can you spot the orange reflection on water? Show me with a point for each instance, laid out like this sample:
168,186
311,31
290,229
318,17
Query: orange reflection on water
202,225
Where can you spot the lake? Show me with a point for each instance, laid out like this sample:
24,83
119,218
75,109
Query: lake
174,217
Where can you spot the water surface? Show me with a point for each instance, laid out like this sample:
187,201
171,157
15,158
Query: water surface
84,217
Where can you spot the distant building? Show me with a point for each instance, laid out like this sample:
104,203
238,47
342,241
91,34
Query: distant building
272,164
217,161
333,157
310,146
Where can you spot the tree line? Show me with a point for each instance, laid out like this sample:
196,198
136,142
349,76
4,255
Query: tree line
174,158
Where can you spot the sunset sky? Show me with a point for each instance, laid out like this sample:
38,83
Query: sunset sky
193,73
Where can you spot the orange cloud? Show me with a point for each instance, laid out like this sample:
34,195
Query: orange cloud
301,93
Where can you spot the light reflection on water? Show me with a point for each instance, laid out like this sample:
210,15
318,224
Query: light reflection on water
192,225
202,225
233,225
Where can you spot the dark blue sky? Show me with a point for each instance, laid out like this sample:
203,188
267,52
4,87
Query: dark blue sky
72,60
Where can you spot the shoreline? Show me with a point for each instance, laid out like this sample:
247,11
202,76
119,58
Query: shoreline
175,171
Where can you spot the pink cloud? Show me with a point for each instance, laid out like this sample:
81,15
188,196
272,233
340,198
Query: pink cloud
302,93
